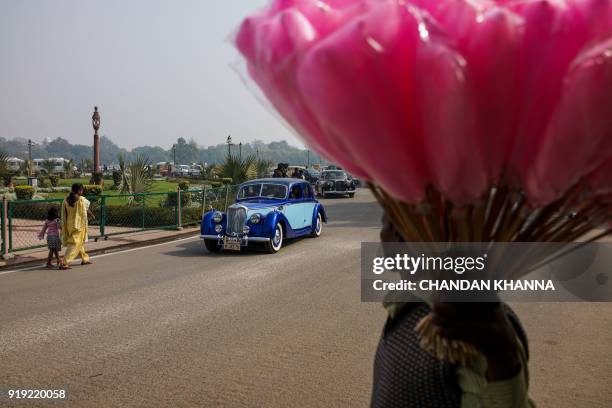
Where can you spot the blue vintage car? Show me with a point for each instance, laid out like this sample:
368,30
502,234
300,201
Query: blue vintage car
267,211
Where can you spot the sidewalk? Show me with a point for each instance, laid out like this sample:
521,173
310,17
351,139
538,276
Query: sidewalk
113,243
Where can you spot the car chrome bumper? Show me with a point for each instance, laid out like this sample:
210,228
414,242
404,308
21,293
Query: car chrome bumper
337,192
246,238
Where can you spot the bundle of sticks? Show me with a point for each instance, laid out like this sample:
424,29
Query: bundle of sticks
501,215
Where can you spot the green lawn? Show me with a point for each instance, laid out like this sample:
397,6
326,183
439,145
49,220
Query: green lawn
158,186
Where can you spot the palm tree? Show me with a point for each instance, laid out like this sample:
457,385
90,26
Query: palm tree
26,168
207,171
239,170
262,167
84,166
135,177
3,162
4,170
68,166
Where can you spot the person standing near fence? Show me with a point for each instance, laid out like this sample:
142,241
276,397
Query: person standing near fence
75,211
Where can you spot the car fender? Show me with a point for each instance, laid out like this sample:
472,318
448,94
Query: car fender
207,227
270,222
318,209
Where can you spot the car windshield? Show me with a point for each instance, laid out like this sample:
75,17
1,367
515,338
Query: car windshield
262,190
333,174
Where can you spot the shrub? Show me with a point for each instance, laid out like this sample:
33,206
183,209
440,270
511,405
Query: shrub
191,215
183,185
62,189
119,215
226,180
97,178
132,216
170,200
34,211
24,192
54,179
42,182
92,191
116,179
7,179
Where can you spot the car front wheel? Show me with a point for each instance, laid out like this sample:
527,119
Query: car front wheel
275,244
316,231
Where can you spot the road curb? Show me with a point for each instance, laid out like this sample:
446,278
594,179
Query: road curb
115,248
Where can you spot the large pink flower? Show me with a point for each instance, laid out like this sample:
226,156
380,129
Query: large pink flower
458,94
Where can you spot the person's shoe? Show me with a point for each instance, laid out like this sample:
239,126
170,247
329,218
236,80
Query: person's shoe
86,263
63,267
48,266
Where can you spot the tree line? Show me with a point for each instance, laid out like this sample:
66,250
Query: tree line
186,151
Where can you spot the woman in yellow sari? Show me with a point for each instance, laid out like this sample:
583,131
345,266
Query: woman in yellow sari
74,226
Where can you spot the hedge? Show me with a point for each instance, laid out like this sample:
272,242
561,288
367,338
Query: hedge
170,200
118,215
92,190
24,192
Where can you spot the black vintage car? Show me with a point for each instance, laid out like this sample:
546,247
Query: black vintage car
335,183
311,175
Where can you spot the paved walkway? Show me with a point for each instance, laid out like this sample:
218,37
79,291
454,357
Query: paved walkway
135,239
25,232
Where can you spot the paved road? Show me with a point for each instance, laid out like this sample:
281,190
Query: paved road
172,326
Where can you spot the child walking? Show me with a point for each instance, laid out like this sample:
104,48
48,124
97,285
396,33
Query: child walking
52,228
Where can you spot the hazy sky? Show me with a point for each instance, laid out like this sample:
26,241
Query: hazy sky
157,69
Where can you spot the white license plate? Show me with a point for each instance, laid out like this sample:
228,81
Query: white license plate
232,244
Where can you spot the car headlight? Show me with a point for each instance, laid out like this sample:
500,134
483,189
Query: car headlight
329,184
217,217
255,218
218,228
246,229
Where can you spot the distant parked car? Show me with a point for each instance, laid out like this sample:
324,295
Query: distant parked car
335,183
312,175
195,170
266,211
182,170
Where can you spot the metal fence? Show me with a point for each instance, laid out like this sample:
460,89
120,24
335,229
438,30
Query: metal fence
22,220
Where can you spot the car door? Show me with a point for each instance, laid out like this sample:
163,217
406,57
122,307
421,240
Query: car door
294,209
308,204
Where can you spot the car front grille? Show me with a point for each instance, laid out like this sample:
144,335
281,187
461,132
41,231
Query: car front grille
340,186
236,217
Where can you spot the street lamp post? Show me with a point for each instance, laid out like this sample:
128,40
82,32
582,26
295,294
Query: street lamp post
240,150
308,164
95,121
31,165
173,159
229,145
